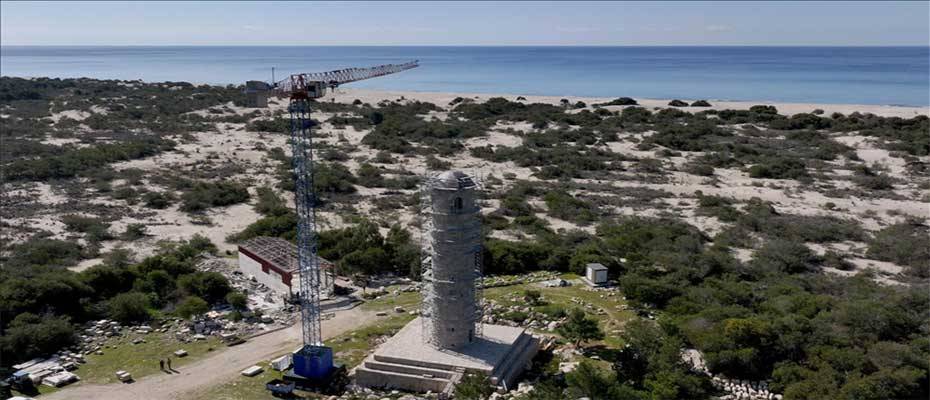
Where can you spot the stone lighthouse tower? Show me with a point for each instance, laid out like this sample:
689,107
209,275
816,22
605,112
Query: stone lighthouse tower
453,244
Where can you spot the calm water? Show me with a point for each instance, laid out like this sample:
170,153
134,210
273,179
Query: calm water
866,75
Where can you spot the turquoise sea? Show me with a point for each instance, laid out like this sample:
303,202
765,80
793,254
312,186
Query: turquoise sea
859,75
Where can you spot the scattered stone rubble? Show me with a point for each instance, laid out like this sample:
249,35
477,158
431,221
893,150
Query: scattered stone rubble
736,389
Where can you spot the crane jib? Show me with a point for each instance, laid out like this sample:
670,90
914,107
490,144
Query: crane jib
312,84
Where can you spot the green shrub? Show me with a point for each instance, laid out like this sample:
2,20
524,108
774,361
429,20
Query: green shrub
578,328
237,300
204,195
39,251
135,232
192,306
785,256
29,336
95,228
158,201
209,286
779,168
129,308
620,101
515,316
904,244
564,206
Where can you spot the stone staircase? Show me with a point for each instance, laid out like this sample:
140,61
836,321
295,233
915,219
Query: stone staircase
422,376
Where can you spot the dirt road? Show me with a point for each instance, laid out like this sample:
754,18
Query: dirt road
219,368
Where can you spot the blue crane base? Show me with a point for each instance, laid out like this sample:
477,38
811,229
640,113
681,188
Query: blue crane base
314,362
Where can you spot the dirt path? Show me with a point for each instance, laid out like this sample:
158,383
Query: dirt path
219,368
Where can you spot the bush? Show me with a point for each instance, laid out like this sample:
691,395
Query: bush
237,300
129,308
677,103
29,336
209,286
192,306
699,169
276,125
333,178
784,256
38,251
94,228
135,232
579,328
564,206
474,386
532,297
158,201
204,195
269,203
700,103
515,316
621,101
779,168
903,244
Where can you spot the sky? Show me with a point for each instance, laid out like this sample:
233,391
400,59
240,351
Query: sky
466,23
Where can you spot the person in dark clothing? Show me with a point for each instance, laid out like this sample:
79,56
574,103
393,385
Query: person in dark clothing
169,364
161,365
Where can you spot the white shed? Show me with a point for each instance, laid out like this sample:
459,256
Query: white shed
595,274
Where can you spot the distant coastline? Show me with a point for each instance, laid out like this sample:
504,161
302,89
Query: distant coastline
895,75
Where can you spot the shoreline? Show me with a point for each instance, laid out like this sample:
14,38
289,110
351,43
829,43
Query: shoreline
885,110
345,95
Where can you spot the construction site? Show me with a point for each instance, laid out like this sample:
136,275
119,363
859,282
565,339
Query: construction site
175,241
449,339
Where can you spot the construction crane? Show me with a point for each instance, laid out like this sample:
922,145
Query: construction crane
313,363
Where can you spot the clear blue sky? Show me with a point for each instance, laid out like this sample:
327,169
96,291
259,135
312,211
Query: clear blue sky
477,23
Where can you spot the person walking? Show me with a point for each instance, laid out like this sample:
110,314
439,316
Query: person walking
169,364
161,365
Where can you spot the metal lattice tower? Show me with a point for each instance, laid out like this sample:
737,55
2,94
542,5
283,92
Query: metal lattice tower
451,308
305,199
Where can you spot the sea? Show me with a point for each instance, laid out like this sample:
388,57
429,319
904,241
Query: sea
842,75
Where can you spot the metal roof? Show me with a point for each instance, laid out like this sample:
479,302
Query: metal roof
277,251
597,266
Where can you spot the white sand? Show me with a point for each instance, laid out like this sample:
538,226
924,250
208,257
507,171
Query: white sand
442,99
233,144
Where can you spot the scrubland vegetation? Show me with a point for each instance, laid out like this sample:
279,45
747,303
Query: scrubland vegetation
749,234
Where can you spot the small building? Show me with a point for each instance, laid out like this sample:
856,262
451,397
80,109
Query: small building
256,94
595,274
273,262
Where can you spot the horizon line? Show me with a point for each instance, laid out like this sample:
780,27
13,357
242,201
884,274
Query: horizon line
465,45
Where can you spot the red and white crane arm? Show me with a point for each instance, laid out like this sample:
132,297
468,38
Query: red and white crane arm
315,83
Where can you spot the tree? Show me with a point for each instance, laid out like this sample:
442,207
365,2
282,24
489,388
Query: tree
237,300
191,306
129,307
158,282
588,380
210,286
473,386
107,280
369,261
30,335
579,328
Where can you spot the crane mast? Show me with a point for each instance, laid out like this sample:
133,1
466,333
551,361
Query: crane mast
313,361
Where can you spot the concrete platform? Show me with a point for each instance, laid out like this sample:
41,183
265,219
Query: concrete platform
405,362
